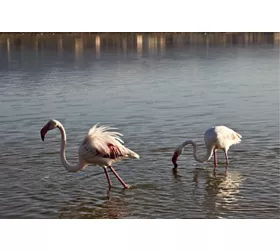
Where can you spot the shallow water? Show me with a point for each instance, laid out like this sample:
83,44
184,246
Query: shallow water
157,96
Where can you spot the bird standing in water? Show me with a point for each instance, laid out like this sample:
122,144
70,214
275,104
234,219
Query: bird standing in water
218,137
100,147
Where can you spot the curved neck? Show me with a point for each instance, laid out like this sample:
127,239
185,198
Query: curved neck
65,163
206,157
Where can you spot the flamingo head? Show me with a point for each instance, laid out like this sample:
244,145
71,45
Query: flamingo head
52,124
175,157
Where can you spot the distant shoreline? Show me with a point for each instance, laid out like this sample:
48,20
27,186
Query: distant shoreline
124,33
139,37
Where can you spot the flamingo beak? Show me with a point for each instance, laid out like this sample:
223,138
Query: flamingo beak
174,159
44,131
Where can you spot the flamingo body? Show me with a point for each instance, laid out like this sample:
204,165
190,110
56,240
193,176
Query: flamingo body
103,147
221,137
218,137
100,147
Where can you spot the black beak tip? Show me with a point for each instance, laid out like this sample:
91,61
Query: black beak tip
42,137
175,166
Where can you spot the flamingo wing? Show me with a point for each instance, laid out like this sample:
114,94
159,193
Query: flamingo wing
100,142
226,133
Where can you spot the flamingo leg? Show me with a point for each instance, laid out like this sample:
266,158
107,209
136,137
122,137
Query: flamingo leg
215,160
108,177
226,161
119,178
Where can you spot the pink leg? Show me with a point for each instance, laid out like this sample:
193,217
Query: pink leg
108,177
226,161
215,160
119,178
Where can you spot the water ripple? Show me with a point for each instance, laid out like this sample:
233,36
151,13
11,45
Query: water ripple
157,102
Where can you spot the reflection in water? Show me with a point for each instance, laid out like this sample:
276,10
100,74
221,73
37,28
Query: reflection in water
124,47
111,207
8,50
179,41
176,176
36,48
207,46
162,45
139,45
79,48
221,193
60,44
277,37
36,42
39,41
97,46
152,44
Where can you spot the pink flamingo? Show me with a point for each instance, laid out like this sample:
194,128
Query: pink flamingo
218,137
100,147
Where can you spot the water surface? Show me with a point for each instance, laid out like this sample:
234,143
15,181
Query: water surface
158,94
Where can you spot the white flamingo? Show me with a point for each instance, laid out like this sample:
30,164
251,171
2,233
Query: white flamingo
218,137
99,147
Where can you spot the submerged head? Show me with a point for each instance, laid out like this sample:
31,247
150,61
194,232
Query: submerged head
52,124
175,157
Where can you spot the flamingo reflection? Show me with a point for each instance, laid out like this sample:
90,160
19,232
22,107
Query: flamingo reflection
102,208
221,193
